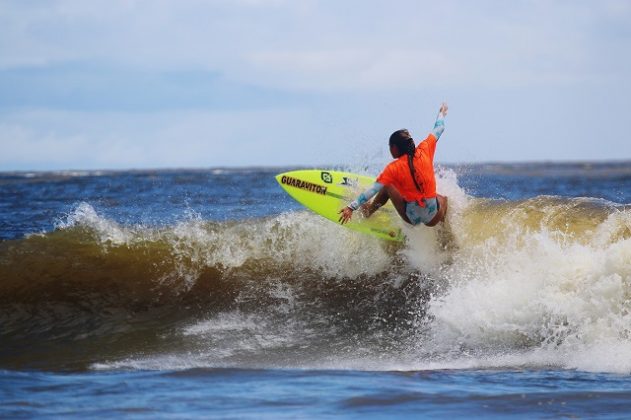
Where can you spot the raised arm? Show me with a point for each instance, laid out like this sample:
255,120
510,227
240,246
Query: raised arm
439,126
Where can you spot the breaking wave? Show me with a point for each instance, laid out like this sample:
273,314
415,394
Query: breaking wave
538,282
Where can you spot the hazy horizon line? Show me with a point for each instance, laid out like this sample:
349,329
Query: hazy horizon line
337,166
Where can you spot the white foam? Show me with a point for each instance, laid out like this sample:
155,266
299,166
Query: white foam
303,239
426,247
541,293
516,293
224,322
107,230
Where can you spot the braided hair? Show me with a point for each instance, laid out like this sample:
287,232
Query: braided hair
405,143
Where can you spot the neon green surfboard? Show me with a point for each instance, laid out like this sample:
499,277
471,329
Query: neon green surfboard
326,192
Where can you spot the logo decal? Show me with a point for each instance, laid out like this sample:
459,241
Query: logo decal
348,182
304,185
326,177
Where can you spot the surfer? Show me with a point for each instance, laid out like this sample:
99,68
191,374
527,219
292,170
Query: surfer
408,181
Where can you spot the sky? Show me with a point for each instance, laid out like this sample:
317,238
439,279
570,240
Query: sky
119,84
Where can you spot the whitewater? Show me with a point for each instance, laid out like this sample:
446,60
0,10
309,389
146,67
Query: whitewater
177,271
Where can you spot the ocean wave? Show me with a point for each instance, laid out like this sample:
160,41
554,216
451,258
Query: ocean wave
540,281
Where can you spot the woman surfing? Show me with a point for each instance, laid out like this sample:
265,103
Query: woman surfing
408,181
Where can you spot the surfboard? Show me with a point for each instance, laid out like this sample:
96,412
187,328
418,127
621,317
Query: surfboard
326,192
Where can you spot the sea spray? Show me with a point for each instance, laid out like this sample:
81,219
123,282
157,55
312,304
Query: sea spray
547,287
535,282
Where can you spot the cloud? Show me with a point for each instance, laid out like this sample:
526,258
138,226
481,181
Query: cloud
102,87
349,70
79,139
324,46
119,83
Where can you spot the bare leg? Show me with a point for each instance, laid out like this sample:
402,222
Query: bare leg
391,193
442,211
398,202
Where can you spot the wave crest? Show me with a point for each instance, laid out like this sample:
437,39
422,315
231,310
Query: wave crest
541,281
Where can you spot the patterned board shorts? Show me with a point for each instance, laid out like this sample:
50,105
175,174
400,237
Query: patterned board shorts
418,214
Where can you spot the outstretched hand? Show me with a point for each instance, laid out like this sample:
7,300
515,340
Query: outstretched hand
443,109
346,214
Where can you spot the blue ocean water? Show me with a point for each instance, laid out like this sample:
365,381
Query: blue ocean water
211,293
230,393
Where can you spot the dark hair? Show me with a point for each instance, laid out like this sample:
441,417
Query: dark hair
405,143
403,140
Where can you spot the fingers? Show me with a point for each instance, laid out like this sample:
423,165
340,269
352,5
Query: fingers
347,213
